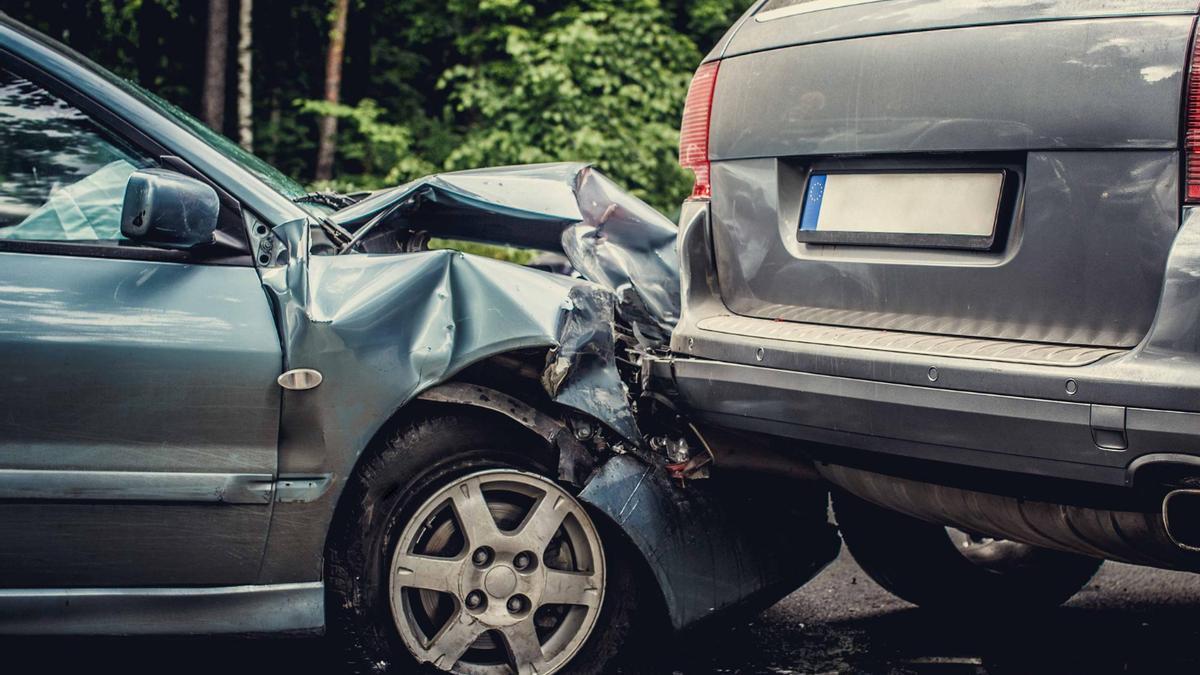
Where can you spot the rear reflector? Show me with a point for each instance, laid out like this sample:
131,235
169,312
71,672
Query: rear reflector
1191,138
693,133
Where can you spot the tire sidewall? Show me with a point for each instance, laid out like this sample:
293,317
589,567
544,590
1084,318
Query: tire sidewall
387,489
384,491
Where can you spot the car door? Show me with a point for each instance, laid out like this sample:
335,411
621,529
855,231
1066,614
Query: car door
138,405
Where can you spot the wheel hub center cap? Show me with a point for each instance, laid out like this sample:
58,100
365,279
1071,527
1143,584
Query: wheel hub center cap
500,582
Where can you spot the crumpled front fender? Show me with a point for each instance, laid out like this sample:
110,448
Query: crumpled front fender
383,328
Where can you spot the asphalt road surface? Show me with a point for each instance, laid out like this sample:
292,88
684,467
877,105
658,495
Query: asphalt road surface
1129,620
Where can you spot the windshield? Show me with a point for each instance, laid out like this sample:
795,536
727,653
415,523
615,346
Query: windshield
265,172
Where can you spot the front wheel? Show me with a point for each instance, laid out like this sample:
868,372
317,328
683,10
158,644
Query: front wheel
458,552
945,569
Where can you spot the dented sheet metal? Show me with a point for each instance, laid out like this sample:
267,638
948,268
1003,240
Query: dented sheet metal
610,237
716,545
397,324
388,328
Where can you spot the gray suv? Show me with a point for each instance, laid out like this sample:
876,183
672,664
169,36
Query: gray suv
949,252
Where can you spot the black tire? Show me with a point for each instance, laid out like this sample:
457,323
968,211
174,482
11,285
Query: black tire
919,562
389,484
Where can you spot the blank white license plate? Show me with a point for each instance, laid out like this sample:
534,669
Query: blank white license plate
952,209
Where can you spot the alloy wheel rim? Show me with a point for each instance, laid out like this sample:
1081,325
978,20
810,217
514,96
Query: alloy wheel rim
499,571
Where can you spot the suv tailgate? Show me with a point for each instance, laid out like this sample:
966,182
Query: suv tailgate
1080,114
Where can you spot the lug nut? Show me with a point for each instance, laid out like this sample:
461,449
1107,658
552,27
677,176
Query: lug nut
482,556
474,600
522,561
583,431
516,604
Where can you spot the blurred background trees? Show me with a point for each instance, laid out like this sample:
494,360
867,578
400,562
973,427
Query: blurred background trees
394,89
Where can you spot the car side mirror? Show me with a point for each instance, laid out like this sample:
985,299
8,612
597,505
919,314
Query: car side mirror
169,210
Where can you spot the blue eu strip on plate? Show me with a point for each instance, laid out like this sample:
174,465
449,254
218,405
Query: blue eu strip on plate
812,203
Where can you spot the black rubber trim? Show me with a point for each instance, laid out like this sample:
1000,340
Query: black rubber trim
120,251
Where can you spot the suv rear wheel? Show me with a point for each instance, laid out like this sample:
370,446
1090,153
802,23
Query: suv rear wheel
454,549
940,568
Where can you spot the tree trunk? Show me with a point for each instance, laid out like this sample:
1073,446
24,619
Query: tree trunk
333,89
276,118
215,48
245,99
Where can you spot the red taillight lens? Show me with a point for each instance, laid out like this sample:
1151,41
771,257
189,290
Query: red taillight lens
693,133
1191,134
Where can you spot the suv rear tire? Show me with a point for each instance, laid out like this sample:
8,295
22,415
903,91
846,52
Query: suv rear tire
920,562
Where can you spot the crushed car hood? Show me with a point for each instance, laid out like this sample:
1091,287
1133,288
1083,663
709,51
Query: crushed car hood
609,236
383,327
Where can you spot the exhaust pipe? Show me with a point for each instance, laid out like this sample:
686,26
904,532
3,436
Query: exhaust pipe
1170,539
1181,518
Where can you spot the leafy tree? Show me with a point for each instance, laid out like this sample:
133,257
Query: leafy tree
603,81
430,85
384,151
705,21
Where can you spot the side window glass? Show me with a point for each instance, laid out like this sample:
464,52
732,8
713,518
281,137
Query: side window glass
62,176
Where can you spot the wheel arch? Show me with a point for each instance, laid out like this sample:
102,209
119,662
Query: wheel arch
509,378
506,399
506,388
672,533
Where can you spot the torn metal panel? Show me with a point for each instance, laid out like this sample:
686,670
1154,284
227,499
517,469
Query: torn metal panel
575,463
387,327
716,545
383,328
609,236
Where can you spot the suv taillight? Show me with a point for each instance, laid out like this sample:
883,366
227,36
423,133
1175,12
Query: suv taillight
1191,133
693,133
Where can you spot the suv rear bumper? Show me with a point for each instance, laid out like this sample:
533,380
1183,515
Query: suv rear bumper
1093,420
1007,433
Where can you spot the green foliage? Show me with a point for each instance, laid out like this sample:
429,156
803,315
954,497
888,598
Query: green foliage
520,256
432,85
707,20
603,83
384,150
